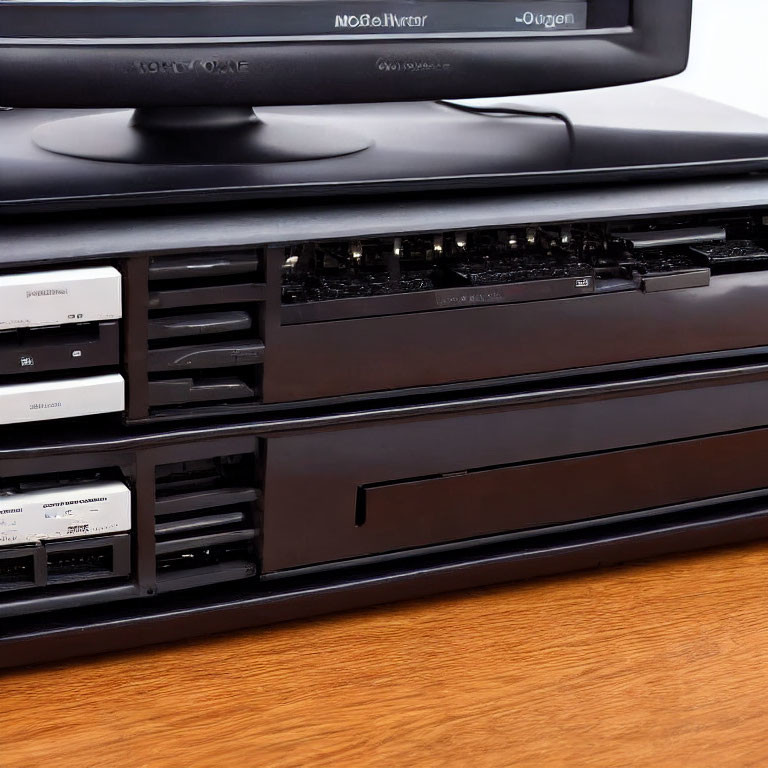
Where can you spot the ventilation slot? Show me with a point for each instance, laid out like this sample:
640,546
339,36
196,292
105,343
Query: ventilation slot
203,333
21,568
206,521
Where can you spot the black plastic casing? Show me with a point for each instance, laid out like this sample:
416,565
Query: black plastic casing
194,69
381,501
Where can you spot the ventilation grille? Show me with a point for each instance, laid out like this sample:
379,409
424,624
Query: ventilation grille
203,332
206,521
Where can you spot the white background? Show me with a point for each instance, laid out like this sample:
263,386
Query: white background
728,60
729,53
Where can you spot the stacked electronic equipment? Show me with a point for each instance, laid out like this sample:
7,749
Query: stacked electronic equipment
348,368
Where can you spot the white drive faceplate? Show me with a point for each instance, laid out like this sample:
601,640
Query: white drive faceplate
61,399
63,296
91,509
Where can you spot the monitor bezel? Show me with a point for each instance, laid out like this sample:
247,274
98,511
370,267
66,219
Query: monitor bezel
41,22
120,72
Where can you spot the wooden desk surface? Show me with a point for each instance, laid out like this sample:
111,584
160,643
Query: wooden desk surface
658,664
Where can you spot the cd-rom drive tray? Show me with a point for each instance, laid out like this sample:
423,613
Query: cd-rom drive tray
60,349
466,505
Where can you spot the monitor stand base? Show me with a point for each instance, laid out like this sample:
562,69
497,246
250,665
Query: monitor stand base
196,136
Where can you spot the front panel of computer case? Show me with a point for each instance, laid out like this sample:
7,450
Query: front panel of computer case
196,315
161,535
311,408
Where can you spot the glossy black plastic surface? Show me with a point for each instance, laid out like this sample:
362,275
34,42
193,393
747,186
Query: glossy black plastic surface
637,133
653,466
208,332
613,425
195,136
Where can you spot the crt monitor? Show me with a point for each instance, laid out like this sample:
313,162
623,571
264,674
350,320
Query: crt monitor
136,53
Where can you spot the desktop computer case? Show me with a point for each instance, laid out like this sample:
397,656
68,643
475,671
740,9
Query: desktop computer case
390,451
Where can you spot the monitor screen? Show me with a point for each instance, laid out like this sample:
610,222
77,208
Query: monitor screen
303,18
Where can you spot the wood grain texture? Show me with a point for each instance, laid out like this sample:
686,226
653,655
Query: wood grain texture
658,664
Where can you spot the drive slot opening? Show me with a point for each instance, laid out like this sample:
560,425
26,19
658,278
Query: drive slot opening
360,510
204,268
205,556
78,562
18,570
106,557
